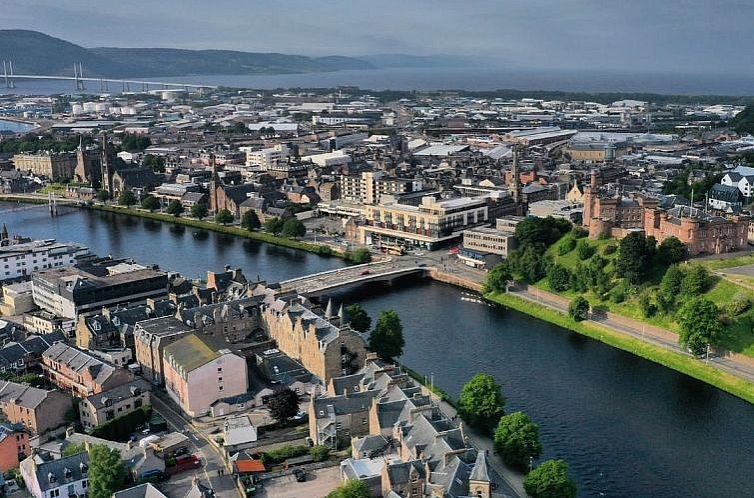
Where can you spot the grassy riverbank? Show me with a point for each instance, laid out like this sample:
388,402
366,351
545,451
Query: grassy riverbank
236,231
681,363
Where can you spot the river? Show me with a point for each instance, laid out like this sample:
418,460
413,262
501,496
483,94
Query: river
15,126
626,427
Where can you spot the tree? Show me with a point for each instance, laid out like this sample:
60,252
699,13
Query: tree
671,283
103,195
224,217
360,255
529,264
155,163
135,142
293,227
542,232
106,471
672,251
517,439
283,404
358,318
696,278
559,278
175,208
150,203
274,225
127,198
250,220
73,449
579,309
632,257
550,480
351,489
743,122
481,403
498,278
584,249
387,337
699,320
199,211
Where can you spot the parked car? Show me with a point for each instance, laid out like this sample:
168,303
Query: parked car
300,475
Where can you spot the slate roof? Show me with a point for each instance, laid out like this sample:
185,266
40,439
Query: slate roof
52,474
141,491
124,391
26,396
79,361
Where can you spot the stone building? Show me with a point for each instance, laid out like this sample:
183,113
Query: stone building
57,166
37,409
80,373
150,338
324,345
610,214
97,409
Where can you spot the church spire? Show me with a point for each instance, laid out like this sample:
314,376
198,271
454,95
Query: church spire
328,311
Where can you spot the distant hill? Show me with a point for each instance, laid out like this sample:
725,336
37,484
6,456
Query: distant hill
403,60
37,53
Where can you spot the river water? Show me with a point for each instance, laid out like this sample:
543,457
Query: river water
627,427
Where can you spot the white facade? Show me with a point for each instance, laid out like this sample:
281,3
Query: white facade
266,157
329,159
20,260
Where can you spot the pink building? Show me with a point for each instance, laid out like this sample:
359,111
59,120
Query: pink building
198,373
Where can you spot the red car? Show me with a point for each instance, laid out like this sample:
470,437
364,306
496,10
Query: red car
365,272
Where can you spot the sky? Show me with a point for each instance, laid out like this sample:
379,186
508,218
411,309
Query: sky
694,36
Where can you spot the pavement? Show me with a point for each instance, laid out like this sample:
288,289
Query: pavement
638,330
319,483
224,486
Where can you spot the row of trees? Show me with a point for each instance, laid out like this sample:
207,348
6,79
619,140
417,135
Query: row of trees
515,437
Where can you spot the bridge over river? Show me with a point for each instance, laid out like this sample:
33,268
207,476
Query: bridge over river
340,278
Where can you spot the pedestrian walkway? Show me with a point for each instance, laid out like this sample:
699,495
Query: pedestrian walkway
732,363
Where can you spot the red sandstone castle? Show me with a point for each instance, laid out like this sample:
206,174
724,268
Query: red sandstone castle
703,233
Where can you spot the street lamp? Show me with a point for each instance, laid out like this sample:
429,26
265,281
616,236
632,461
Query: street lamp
531,463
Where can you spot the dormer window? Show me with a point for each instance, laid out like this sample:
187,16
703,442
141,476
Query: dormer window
84,468
68,473
51,478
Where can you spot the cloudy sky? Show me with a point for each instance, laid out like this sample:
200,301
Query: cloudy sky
696,36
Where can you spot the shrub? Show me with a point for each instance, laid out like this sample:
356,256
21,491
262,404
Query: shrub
648,307
609,249
282,454
585,251
559,278
579,309
567,245
319,453
738,304
578,232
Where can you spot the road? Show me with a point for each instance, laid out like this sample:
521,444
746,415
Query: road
636,329
223,486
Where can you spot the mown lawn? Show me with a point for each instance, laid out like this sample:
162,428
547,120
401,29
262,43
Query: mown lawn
738,332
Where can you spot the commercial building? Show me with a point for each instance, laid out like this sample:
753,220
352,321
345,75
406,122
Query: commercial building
265,158
88,287
57,166
37,409
17,299
489,240
370,187
20,260
428,225
197,374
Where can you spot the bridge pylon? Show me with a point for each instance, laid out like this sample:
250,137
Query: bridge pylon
8,74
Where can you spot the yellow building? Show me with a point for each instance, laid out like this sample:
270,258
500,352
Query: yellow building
55,166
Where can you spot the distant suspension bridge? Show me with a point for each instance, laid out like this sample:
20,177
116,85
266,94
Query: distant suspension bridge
53,204
10,78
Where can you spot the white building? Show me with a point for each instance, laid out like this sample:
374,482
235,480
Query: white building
336,158
65,477
20,260
266,157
